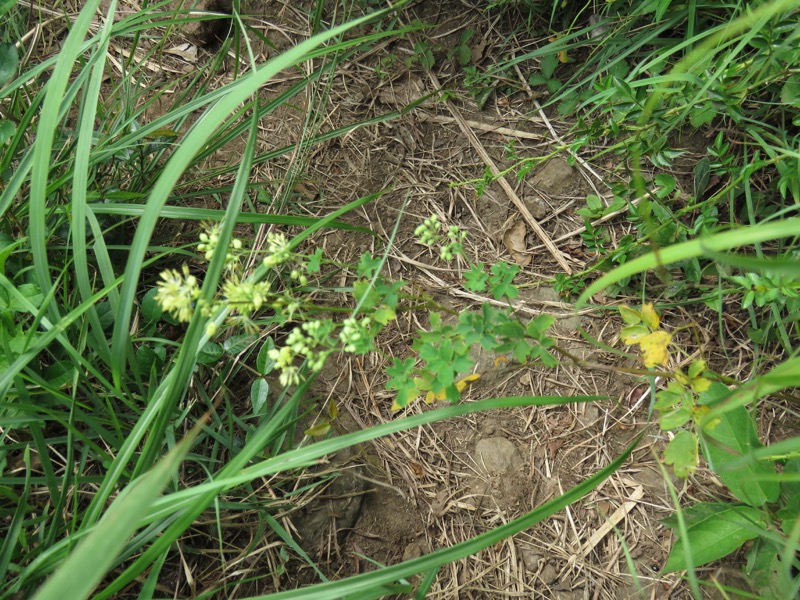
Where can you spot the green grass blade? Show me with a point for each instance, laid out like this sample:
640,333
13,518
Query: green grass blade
43,147
95,554
718,242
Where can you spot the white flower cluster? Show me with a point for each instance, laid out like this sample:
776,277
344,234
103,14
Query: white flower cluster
354,333
278,250
209,239
177,293
429,234
310,341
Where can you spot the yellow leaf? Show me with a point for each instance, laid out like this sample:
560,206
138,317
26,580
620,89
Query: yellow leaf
500,361
655,348
563,57
681,377
650,316
319,429
461,385
701,384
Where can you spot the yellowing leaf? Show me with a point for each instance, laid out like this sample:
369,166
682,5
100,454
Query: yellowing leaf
319,429
701,384
461,385
333,410
563,57
655,348
384,314
631,316
697,368
650,316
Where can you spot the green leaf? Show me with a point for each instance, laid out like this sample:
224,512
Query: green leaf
151,309
210,354
548,65
500,281
538,326
475,279
715,530
732,436
236,344
631,316
384,314
314,261
318,430
790,93
681,453
9,61
259,391
7,129
264,364
702,115
675,418
537,79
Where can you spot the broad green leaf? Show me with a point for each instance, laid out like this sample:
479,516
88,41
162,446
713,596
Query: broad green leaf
264,364
319,429
7,129
9,60
236,344
681,453
675,418
259,391
732,436
151,309
790,93
715,530
210,353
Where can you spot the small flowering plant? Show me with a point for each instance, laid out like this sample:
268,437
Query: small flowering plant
246,299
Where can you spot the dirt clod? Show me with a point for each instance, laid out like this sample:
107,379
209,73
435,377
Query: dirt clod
497,455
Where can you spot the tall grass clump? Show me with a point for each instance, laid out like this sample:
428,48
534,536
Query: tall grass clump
119,346
642,80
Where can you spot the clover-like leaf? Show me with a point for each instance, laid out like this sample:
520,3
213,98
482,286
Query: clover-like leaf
650,316
655,348
682,453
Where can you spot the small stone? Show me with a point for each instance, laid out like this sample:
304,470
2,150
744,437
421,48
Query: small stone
537,206
554,177
497,455
548,574
530,559
416,549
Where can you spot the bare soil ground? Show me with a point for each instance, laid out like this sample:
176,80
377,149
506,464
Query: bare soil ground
407,494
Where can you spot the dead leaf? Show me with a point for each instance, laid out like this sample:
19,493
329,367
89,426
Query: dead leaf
514,240
187,52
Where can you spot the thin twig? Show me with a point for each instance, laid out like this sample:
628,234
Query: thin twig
512,195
